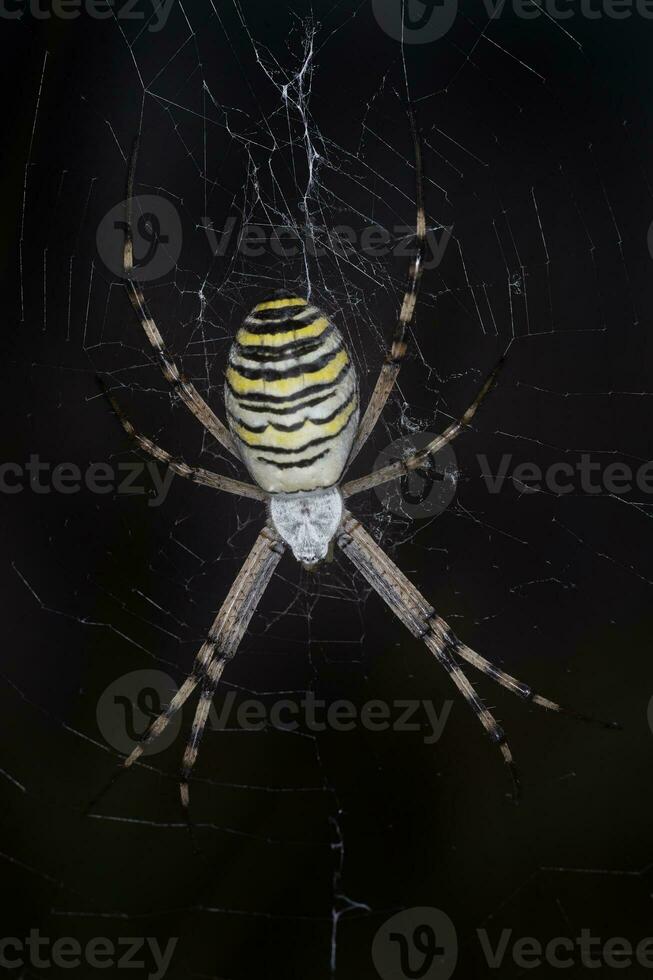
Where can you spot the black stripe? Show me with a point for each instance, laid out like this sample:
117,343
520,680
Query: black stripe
294,371
284,411
287,323
285,399
301,464
250,428
281,311
283,451
296,348
295,425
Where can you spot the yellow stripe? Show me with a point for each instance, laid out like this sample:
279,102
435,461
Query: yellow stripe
288,440
288,386
313,329
277,304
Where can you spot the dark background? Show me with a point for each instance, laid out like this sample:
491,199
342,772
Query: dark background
298,831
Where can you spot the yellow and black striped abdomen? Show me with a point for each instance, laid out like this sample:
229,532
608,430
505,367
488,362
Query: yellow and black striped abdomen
292,396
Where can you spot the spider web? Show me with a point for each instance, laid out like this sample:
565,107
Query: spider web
276,119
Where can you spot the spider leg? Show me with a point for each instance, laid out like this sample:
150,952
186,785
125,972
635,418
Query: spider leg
213,675
390,369
410,606
516,686
195,473
394,471
186,390
416,614
222,641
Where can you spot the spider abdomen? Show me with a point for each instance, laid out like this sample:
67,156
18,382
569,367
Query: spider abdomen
292,396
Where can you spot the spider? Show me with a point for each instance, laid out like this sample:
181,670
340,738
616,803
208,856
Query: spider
291,397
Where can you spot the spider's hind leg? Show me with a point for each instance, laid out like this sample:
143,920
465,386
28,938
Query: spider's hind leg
220,646
523,690
213,675
419,617
410,606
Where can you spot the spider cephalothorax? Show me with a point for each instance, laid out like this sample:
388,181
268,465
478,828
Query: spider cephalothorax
307,522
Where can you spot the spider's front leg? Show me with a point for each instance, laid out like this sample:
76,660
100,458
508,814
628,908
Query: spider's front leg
420,458
390,370
410,606
195,473
180,384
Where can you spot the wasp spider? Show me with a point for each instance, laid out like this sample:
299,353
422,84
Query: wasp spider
291,398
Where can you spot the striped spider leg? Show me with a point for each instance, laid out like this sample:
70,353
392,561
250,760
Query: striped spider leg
421,458
390,369
220,646
184,388
195,473
424,623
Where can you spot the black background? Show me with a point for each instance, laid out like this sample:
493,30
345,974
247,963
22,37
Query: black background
292,829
